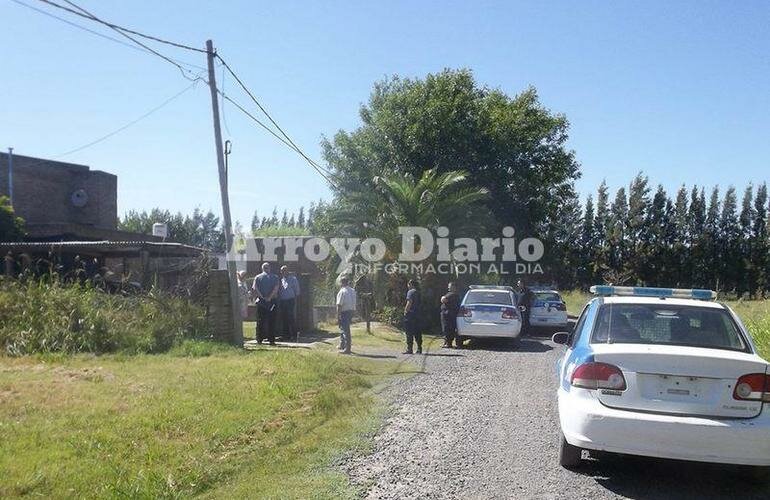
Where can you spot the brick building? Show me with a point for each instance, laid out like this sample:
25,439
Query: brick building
60,200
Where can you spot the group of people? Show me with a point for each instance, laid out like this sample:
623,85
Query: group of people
274,296
450,308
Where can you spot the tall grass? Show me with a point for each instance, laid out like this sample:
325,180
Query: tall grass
40,316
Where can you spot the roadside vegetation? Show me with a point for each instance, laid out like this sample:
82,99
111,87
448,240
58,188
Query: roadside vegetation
48,315
203,419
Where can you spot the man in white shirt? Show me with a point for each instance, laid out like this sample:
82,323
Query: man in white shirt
346,306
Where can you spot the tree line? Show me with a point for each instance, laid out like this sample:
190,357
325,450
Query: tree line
644,236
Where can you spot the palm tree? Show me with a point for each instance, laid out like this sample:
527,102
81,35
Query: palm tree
397,199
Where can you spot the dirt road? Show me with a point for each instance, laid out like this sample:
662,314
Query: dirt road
482,423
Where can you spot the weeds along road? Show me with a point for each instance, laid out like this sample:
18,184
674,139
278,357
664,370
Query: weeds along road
482,423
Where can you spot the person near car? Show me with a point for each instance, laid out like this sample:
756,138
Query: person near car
346,306
412,318
525,297
287,298
265,288
450,305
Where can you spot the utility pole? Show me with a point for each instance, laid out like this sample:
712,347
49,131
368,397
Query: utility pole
237,335
10,175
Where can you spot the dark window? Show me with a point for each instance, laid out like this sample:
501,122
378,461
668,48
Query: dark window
488,297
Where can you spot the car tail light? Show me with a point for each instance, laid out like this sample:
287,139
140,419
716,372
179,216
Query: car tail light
465,312
598,376
509,313
561,307
753,387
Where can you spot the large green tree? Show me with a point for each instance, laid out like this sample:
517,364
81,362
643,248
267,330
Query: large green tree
201,229
513,147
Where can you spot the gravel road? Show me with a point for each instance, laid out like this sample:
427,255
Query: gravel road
482,423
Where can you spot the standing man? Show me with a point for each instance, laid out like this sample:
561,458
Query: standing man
265,288
346,306
287,296
412,318
524,296
450,305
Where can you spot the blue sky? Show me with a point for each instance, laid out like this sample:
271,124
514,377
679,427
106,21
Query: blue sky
679,90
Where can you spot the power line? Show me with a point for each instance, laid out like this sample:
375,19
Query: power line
120,129
84,13
286,139
185,72
259,122
262,108
94,32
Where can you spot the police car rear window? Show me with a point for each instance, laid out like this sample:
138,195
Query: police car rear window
662,324
548,296
488,297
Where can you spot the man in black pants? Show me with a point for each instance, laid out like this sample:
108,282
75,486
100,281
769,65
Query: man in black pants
265,288
450,305
525,298
412,319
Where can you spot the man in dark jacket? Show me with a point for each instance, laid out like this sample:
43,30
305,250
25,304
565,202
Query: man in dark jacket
525,298
450,305
412,318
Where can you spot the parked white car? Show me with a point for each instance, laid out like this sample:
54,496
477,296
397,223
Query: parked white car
548,309
663,373
489,311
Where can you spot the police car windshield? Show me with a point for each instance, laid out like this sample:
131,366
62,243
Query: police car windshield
548,296
667,325
488,297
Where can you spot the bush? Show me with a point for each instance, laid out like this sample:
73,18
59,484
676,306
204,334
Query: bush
390,315
40,316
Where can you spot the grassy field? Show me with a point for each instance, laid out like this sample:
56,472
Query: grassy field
203,420
754,313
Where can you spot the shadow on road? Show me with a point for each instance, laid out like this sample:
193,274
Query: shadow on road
505,345
648,478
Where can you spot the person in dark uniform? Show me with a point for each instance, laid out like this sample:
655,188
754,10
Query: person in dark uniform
265,288
525,298
412,318
450,305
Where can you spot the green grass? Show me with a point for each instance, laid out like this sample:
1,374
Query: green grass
755,314
203,419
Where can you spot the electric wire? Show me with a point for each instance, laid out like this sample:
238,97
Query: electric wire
262,108
85,14
94,32
120,129
184,71
286,139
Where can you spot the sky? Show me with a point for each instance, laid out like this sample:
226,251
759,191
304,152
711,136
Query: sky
678,90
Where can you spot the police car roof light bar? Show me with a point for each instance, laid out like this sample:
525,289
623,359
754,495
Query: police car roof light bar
643,291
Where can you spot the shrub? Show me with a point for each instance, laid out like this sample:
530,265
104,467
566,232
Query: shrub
40,316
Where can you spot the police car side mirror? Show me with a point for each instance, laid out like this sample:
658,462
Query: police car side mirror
560,338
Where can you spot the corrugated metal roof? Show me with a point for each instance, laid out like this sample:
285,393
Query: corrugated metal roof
21,246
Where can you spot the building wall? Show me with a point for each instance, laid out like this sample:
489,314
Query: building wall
43,190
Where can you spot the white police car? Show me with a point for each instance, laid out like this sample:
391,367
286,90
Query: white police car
548,309
489,311
662,373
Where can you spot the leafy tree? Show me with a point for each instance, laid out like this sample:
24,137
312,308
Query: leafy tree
301,217
513,147
255,222
11,226
201,229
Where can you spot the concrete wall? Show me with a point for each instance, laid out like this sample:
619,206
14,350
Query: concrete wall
218,312
43,189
